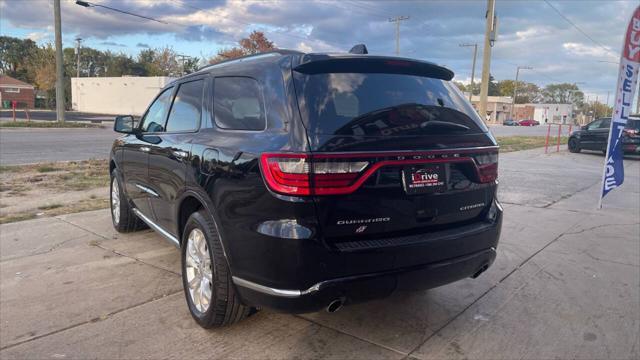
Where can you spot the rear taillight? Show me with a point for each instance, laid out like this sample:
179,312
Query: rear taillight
487,165
301,174
338,174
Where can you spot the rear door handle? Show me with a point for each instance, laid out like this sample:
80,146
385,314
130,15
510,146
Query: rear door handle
180,154
145,148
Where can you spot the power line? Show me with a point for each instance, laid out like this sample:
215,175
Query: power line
366,9
89,4
578,28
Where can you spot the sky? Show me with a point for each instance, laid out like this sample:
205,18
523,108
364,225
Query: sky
530,32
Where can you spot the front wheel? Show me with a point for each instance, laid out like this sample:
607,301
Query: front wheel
574,146
206,278
122,216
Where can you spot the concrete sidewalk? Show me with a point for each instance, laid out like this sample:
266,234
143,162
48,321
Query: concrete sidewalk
566,284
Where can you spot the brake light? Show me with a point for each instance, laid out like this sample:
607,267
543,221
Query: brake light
487,165
343,173
300,174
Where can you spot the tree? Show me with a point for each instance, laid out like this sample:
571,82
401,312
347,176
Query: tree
564,93
493,87
256,43
14,56
191,64
460,86
599,109
527,92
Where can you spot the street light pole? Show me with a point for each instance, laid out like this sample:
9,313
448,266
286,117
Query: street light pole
59,70
515,88
78,41
473,66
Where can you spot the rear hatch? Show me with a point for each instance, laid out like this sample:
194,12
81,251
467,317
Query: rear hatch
396,149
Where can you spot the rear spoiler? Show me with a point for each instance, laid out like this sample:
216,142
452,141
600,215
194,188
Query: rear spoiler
311,64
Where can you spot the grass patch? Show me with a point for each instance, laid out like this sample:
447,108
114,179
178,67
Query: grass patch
8,168
46,168
46,124
519,143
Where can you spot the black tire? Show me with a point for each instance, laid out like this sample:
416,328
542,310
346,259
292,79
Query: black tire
574,146
127,221
225,307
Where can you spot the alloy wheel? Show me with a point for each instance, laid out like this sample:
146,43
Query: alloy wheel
115,201
198,270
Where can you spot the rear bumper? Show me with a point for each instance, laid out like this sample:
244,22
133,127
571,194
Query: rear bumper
379,284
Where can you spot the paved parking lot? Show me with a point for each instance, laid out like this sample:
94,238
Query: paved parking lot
566,284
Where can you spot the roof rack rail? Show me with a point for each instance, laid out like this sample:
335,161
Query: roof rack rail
251,57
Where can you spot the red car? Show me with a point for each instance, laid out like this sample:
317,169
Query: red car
529,122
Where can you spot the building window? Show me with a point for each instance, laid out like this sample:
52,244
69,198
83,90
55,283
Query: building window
12,90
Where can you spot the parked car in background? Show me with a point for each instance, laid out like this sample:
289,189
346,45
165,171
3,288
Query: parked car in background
595,135
510,122
301,182
529,122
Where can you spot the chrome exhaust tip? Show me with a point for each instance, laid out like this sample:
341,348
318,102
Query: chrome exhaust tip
482,269
334,306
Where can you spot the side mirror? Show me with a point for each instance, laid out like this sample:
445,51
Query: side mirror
584,127
125,124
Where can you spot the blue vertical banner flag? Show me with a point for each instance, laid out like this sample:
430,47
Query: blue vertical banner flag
613,174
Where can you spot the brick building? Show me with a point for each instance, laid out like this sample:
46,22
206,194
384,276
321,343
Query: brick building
15,90
523,112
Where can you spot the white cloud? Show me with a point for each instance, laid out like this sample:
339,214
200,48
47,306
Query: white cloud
302,46
37,36
585,50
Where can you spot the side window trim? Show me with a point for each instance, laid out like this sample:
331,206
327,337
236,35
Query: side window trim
172,89
263,104
173,99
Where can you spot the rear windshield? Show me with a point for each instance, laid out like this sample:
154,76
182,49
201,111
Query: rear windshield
383,104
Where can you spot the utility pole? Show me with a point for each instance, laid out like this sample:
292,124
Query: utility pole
486,57
59,71
515,88
397,20
182,57
78,41
473,67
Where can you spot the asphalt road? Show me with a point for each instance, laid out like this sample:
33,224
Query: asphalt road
565,285
25,146
49,115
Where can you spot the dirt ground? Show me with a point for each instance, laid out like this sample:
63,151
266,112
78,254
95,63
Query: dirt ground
49,189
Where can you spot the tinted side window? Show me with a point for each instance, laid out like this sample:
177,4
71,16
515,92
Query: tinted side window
594,125
605,124
238,104
154,120
187,107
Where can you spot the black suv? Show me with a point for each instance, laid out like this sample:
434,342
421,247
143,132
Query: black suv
306,181
595,136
